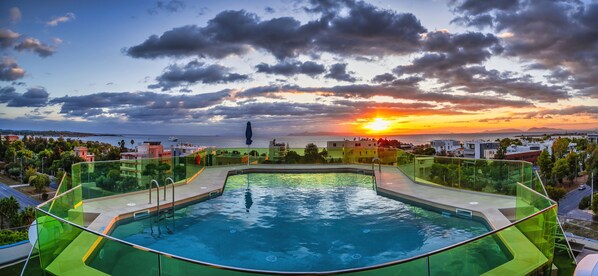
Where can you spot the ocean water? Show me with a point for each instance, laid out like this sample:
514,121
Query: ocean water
261,141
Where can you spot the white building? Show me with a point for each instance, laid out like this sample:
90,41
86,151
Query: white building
277,151
447,146
478,149
185,149
593,138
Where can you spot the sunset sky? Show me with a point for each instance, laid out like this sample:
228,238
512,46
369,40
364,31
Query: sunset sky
291,66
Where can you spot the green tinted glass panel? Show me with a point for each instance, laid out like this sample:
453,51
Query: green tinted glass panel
115,258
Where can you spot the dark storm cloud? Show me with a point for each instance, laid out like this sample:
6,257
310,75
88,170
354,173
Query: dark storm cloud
405,89
480,13
136,103
170,6
10,70
251,109
386,77
454,60
33,97
339,72
475,7
365,31
562,36
195,72
289,68
574,110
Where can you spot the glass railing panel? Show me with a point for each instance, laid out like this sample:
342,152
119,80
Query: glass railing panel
176,267
116,258
540,230
524,248
414,267
31,266
529,201
406,163
54,236
68,206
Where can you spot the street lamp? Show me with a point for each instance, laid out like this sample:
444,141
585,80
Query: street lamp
43,164
21,176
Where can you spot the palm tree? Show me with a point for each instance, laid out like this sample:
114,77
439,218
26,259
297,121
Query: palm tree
28,215
9,207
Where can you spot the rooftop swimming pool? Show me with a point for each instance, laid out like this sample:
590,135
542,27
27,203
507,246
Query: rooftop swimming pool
302,223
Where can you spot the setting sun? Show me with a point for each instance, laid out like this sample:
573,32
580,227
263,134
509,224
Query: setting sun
378,125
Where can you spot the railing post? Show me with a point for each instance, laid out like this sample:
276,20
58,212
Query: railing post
428,264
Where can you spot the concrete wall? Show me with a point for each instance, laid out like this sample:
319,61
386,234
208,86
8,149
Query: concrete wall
12,252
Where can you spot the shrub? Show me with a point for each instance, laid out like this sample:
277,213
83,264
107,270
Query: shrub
9,237
584,203
555,193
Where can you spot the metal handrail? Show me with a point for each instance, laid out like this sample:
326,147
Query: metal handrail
375,185
157,203
172,184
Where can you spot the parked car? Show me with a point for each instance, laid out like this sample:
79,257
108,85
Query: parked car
582,187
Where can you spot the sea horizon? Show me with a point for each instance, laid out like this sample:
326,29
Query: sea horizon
294,141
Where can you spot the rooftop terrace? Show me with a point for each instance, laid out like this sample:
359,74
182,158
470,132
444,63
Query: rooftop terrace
508,195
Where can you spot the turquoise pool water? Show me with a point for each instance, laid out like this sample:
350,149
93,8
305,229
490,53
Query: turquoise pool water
303,222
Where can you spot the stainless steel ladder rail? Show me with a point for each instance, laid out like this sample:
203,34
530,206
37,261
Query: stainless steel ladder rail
172,209
158,206
374,172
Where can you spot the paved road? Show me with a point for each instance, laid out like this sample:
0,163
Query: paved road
571,200
23,200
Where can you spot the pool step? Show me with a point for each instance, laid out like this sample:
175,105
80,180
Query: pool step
463,213
141,214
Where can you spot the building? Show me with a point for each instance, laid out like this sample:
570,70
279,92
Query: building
277,151
448,147
132,164
9,138
529,156
83,153
184,149
363,150
593,138
477,149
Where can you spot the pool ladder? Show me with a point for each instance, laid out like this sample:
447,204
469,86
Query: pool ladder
165,214
374,186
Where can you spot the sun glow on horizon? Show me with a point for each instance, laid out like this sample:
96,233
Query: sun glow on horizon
378,125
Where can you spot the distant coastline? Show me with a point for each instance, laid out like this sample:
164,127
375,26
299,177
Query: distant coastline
53,133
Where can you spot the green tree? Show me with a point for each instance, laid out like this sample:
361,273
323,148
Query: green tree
560,147
591,163
292,157
40,182
28,173
500,153
560,169
556,193
572,159
545,164
311,154
28,215
9,207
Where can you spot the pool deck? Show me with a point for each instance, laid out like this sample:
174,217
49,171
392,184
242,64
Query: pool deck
390,181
